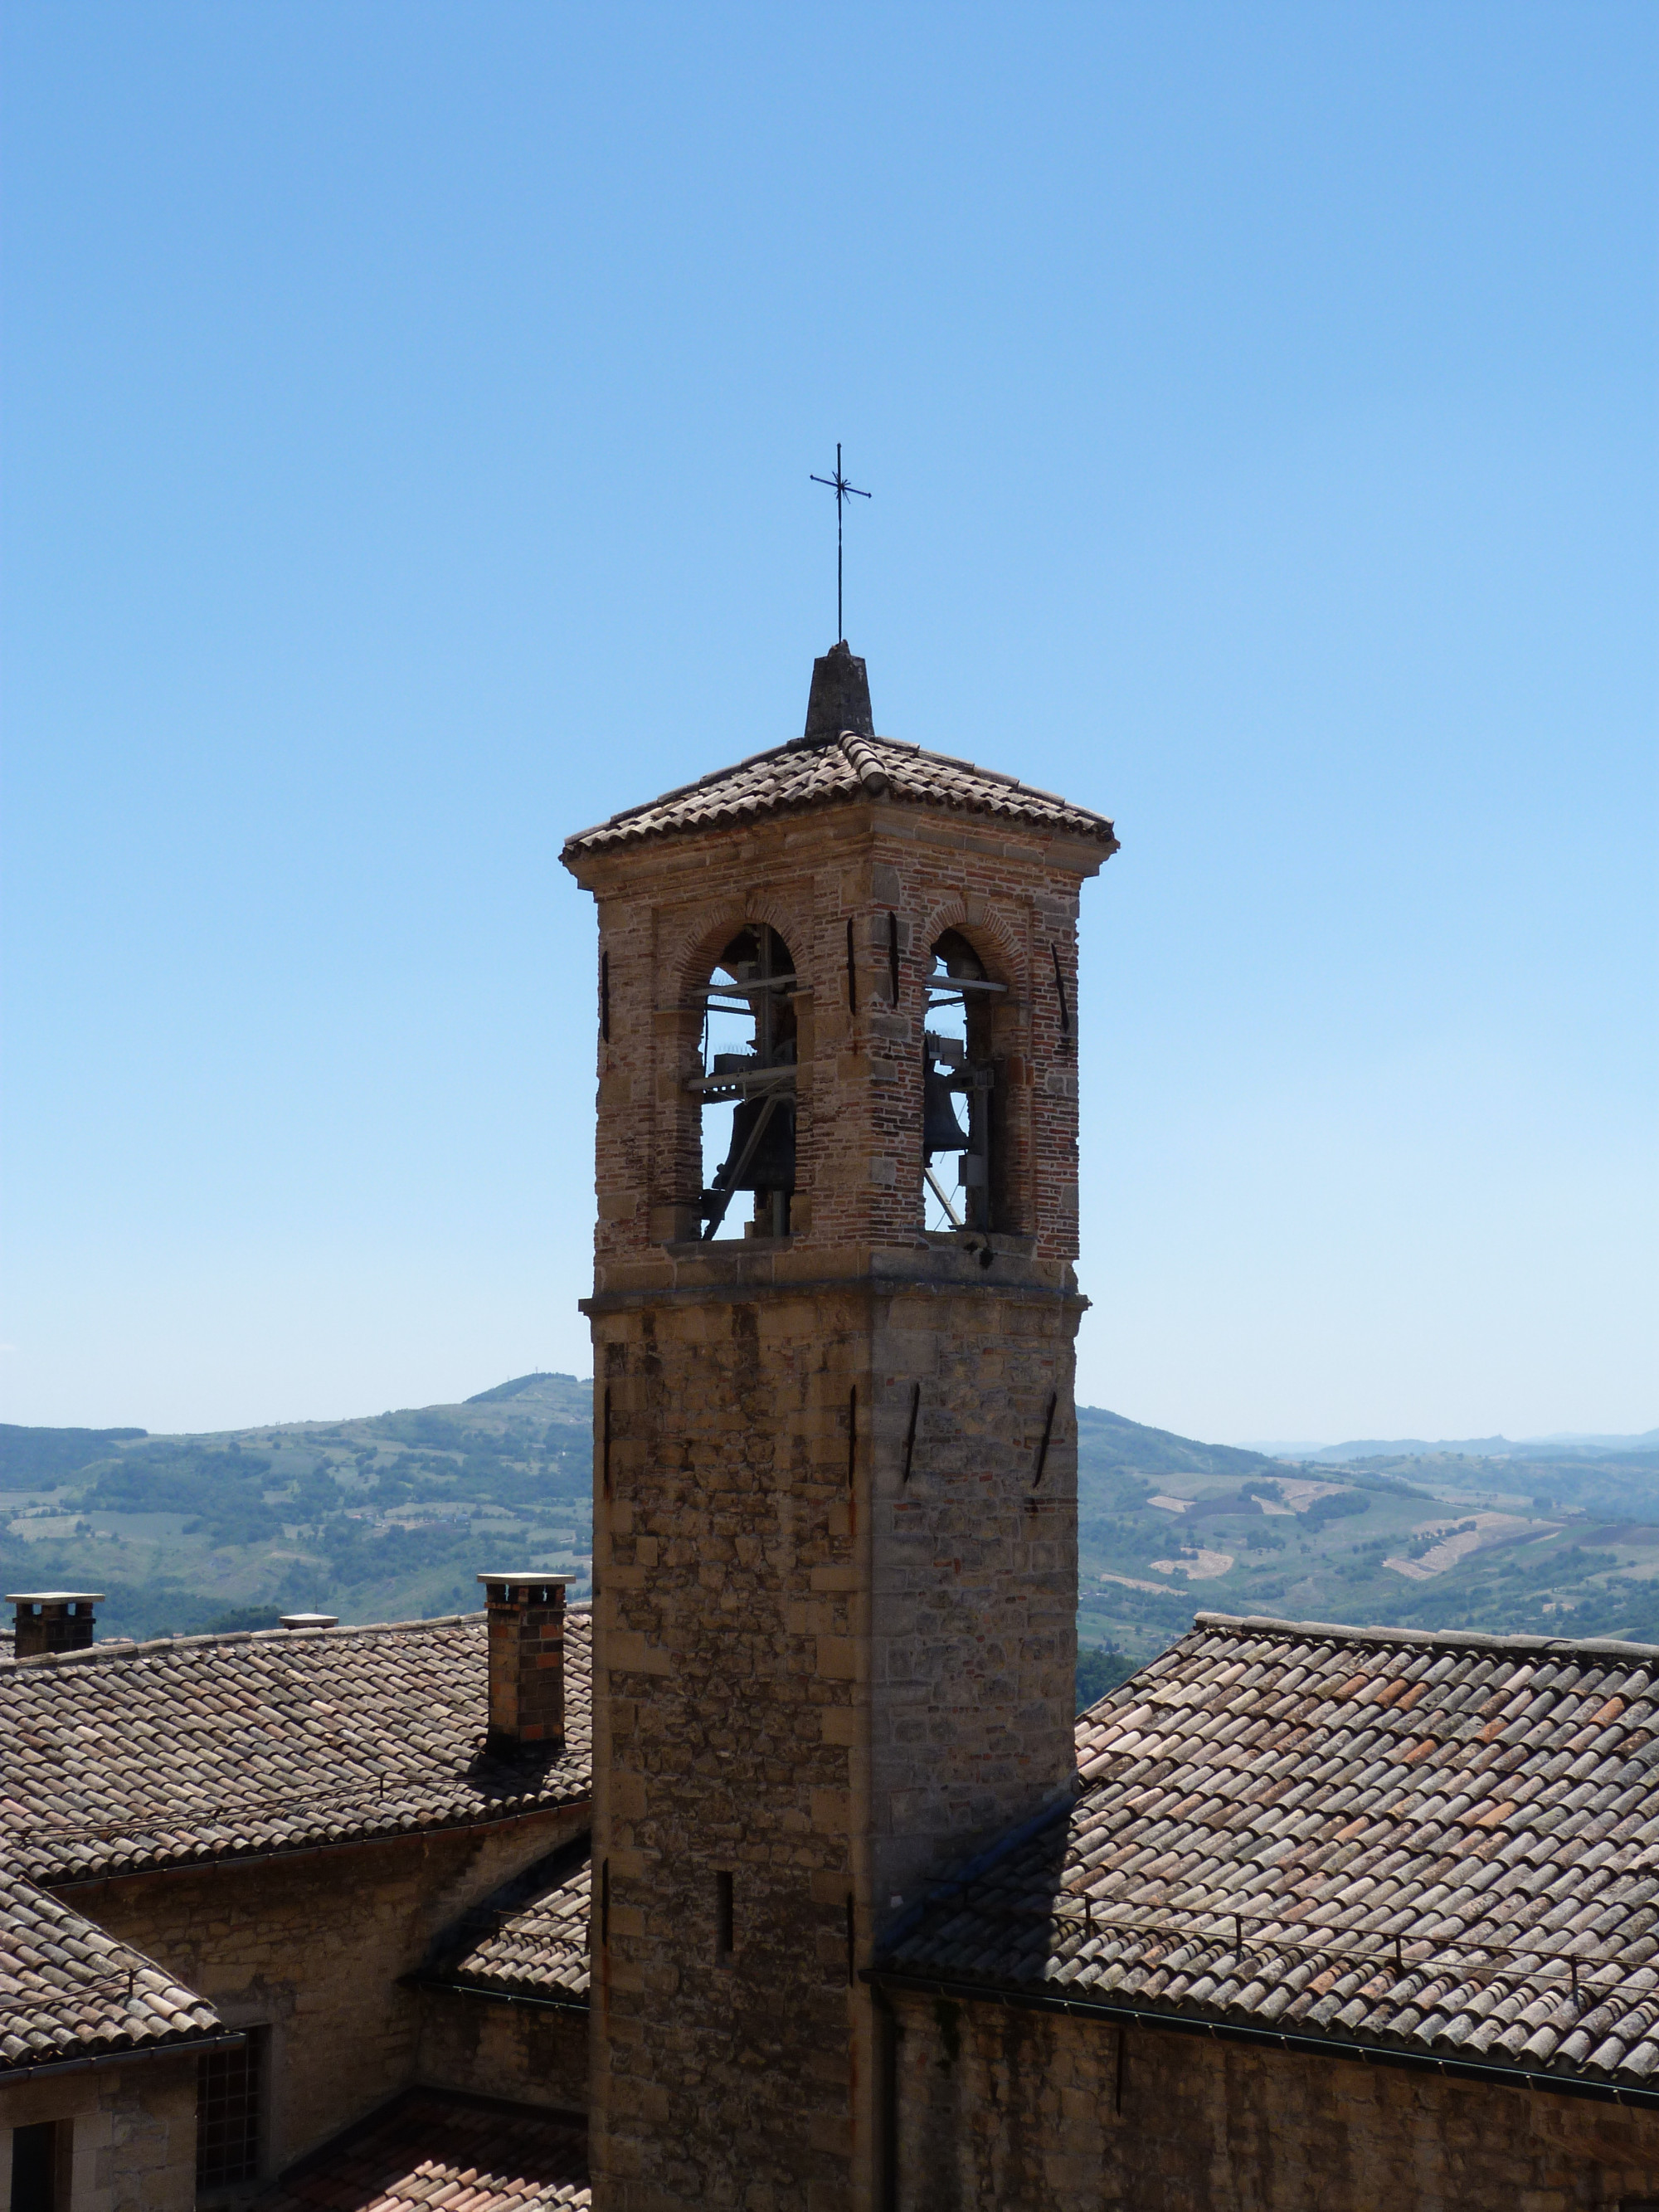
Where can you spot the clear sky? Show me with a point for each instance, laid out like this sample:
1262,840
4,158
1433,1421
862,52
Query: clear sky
411,413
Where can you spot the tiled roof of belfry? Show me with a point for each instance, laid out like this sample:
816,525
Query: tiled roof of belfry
171,1753
824,773
1445,1845
68,1989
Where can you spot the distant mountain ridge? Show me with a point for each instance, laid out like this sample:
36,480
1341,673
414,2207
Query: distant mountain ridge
1364,1448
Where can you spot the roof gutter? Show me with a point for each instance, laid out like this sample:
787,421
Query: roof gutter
1226,2031
190,2049
461,1988
57,1884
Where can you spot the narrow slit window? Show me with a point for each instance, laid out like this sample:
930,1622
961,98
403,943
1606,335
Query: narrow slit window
723,1935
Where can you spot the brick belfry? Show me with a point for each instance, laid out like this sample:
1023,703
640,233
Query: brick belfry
835,1489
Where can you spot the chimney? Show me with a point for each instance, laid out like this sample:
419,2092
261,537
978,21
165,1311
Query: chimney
53,1621
526,1662
308,1620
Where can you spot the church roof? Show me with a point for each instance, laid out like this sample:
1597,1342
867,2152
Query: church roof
836,770
196,1748
69,1989
530,1937
436,2148
1444,1844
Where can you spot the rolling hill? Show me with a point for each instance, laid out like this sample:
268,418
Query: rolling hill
392,1515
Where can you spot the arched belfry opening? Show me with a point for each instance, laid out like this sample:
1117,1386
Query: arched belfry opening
747,1087
960,1170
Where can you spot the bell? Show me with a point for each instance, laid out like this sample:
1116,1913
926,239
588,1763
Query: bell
773,1166
941,1132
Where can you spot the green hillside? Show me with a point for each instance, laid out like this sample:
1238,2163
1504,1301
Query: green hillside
1167,1526
392,1516
383,1518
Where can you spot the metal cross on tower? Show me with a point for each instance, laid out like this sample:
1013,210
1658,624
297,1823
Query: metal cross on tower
843,491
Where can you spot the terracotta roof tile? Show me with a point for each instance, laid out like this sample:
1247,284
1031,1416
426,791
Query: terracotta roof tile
132,1756
1439,1889
428,2147
530,1937
822,773
69,1989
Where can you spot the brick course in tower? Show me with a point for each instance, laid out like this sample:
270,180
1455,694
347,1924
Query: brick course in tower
835,1469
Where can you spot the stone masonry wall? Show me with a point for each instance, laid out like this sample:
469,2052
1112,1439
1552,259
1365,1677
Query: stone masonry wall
821,1678
1022,2109
134,2142
530,2054
313,1945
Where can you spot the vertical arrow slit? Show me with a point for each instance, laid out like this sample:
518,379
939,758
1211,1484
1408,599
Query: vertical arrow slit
1048,1432
910,1432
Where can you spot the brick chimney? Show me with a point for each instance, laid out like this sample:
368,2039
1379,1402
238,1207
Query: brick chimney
526,1661
53,1620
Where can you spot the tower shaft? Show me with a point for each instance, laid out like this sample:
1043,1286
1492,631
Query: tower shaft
835,1518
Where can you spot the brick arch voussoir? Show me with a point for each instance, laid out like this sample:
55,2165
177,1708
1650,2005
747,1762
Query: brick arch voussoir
702,950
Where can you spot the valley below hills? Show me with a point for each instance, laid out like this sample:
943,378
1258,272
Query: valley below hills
392,1516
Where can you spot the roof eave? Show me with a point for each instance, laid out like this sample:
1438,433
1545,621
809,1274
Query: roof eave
1221,2029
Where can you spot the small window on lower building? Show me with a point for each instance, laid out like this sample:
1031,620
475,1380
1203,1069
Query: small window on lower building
228,2108
40,2167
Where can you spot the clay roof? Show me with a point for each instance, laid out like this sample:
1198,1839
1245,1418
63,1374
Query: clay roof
819,772
530,1939
128,1756
1446,1844
70,1990
433,2148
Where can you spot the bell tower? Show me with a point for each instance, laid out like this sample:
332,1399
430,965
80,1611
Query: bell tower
835,1489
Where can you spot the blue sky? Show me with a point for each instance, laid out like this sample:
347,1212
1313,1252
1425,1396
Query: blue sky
410,411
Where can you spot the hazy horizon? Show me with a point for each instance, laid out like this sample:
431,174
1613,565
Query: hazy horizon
1243,1443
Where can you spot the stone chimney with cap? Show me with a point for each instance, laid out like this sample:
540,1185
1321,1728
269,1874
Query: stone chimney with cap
526,1613
53,1620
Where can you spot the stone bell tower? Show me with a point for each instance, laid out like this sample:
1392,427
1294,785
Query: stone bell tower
835,1492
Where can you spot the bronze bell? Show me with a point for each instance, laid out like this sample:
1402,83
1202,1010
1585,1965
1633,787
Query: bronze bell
941,1132
773,1166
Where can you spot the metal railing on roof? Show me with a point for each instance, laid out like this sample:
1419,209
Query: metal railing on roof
1554,1968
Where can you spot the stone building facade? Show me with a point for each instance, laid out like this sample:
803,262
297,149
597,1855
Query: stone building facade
248,1885
1006,2106
1339,1920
